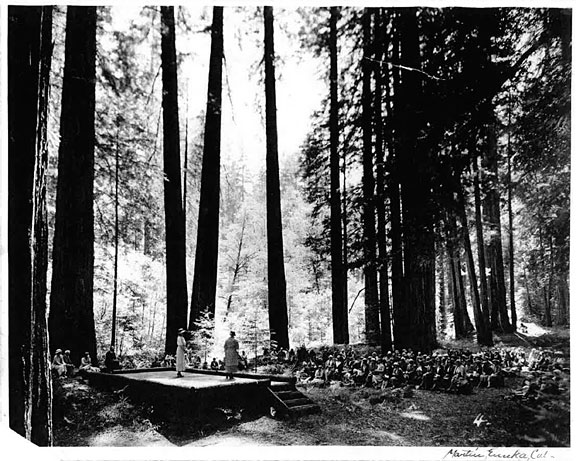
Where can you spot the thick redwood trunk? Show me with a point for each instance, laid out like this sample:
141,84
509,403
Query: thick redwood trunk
462,324
511,277
442,269
418,224
484,295
277,307
206,264
494,259
71,322
385,326
483,330
372,314
401,323
339,282
176,287
30,389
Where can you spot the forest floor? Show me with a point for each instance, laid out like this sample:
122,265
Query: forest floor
85,416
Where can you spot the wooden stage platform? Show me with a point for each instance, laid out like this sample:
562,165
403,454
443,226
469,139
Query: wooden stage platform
200,391
191,395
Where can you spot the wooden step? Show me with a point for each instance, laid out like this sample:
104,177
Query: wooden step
306,409
287,395
279,386
288,401
297,402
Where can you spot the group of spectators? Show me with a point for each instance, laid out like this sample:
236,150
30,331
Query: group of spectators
63,367
456,371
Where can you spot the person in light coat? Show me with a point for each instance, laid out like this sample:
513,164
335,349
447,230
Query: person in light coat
180,353
231,355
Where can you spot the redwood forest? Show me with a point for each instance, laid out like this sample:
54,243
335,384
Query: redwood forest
371,203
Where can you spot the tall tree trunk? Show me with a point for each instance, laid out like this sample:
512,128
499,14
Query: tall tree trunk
277,307
206,263
495,263
185,172
416,164
372,313
339,308
345,231
483,331
511,233
462,324
386,336
454,291
528,298
71,322
548,304
466,322
400,321
115,288
563,301
442,292
480,244
29,53
176,287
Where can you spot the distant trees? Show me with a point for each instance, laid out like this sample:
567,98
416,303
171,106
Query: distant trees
206,266
176,290
30,388
71,321
277,307
438,172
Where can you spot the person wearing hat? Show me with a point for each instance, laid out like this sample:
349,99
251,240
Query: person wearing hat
180,352
231,355
58,364
68,363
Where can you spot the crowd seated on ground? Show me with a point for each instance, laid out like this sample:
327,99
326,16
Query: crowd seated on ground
63,367
458,371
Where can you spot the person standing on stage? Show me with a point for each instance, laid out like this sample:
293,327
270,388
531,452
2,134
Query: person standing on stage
180,353
231,355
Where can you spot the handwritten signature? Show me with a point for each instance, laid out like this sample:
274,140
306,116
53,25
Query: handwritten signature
495,453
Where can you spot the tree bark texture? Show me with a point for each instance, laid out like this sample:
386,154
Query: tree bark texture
483,330
384,292
30,389
494,259
417,330
442,290
512,290
206,264
176,286
372,311
339,282
480,244
71,321
396,256
277,307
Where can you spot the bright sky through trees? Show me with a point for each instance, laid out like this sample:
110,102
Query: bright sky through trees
299,86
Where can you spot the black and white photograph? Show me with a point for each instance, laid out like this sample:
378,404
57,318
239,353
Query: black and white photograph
287,229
